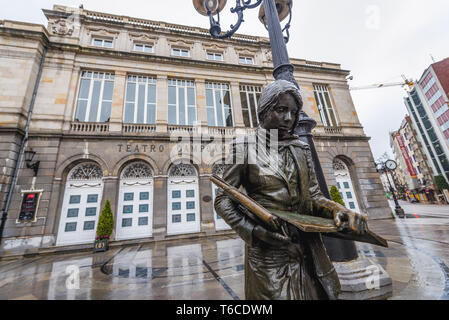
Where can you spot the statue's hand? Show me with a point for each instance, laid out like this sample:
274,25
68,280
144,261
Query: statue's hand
272,238
348,219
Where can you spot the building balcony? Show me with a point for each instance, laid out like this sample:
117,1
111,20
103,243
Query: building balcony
89,128
133,128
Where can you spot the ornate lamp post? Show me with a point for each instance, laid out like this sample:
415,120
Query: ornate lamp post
270,14
390,166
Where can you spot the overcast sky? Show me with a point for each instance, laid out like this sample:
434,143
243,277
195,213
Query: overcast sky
377,40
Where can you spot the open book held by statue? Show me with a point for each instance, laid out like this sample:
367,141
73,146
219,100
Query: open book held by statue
305,223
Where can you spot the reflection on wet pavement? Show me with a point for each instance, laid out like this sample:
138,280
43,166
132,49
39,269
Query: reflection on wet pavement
212,268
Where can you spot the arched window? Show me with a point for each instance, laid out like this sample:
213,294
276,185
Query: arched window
135,205
81,205
183,212
220,224
344,185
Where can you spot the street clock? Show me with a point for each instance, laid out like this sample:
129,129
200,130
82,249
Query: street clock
391,165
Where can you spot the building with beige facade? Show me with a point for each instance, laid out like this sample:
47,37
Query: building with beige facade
108,93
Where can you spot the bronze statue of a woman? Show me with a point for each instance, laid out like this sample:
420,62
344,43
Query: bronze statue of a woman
287,263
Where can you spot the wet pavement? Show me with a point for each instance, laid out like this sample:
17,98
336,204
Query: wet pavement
212,268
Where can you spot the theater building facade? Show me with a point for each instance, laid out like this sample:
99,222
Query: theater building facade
109,95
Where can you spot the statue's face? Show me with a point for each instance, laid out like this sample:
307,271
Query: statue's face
283,115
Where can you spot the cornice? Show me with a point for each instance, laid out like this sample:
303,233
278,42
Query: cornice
42,36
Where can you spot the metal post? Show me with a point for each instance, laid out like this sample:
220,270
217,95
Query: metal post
338,250
399,211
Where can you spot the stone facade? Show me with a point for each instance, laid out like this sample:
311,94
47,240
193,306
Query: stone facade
78,41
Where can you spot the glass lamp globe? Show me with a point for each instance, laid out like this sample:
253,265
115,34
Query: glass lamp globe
281,7
215,6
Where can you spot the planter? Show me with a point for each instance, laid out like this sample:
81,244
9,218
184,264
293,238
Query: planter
101,245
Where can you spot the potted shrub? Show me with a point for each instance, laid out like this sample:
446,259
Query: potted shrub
336,196
104,228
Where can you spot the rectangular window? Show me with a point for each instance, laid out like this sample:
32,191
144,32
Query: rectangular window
90,212
250,96
75,199
190,205
324,104
180,52
89,225
214,56
144,196
143,208
143,48
127,209
95,97
70,227
176,218
246,60
190,217
176,206
129,197
72,213
143,221
181,102
128,222
92,198
140,101
104,43
218,102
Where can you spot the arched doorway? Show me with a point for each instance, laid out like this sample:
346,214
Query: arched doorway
220,223
81,205
183,213
344,185
135,205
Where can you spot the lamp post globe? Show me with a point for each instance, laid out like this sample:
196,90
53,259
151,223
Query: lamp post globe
283,7
204,6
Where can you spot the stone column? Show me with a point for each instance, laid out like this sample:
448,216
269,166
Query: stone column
54,209
207,212
118,102
70,108
201,107
237,105
160,208
162,104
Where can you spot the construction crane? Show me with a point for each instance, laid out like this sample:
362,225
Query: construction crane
406,82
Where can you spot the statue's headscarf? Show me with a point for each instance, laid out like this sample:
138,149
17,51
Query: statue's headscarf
270,97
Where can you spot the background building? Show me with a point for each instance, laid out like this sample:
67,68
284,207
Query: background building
413,171
113,90
427,103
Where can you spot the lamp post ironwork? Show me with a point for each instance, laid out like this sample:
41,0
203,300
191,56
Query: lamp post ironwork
389,166
271,14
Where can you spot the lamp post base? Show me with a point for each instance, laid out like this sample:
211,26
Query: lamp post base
362,279
399,212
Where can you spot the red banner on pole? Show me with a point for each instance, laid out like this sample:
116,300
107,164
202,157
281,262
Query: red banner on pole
407,159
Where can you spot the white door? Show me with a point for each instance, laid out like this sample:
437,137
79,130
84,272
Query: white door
344,185
183,213
80,212
220,223
135,210
135,205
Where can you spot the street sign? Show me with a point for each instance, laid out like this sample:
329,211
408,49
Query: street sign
29,206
